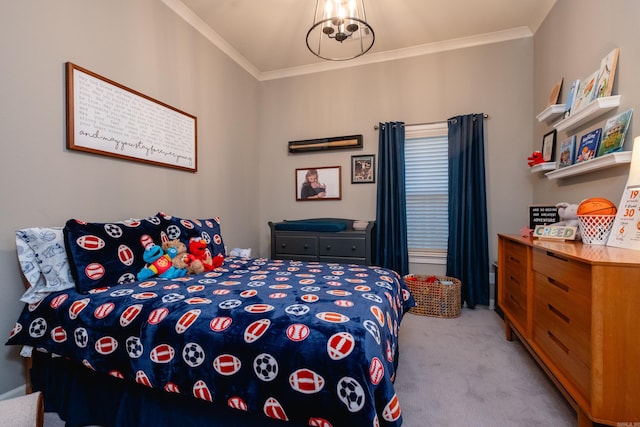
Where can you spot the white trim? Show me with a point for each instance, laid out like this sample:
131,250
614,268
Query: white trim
428,130
392,55
426,49
427,257
18,391
194,20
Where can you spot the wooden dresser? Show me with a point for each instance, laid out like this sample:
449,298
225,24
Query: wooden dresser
348,246
577,310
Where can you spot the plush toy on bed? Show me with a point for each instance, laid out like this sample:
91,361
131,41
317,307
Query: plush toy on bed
243,253
180,258
198,248
568,213
158,263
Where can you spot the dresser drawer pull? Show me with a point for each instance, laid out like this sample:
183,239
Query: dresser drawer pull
559,313
283,245
558,342
353,248
328,247
514,260
516,301
514,280
553,255
306,246
558,284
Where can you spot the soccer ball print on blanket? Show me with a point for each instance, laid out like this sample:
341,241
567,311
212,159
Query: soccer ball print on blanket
313,343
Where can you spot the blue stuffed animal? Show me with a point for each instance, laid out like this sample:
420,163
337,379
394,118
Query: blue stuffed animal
158,263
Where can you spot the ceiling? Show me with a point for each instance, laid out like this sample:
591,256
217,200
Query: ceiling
267,37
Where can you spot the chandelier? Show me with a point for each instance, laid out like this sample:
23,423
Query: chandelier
340,30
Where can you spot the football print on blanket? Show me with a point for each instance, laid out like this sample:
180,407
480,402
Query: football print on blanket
314,343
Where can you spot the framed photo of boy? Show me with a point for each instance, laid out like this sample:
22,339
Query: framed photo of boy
319,183
363,169
549,146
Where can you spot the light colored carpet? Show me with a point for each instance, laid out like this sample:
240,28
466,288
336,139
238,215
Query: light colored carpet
462,372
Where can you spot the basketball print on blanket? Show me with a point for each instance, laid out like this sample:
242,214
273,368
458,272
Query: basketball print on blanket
328,339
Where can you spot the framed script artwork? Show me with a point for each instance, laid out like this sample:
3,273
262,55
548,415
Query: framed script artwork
105,117
363,169
318,183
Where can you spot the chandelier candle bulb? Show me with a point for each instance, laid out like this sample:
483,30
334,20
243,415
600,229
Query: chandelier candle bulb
344,22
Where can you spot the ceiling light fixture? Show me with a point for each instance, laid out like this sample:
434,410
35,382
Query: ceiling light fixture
340,30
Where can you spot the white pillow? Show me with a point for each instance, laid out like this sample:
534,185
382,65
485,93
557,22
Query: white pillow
43,261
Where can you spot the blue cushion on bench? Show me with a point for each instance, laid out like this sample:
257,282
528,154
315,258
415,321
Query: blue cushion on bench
305,225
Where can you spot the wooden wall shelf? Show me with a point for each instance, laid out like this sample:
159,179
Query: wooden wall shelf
543,167
551,112
606,161
594,109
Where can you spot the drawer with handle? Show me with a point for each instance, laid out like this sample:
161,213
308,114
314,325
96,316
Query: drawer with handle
567,316
342,247
564,270
298,245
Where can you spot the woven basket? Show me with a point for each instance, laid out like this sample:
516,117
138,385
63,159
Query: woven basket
595,229
440,298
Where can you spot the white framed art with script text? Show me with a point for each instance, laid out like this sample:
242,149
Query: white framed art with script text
105,117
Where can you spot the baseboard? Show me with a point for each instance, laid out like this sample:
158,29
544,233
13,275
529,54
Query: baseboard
18,391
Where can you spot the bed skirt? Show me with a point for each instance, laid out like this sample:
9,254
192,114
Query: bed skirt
82,397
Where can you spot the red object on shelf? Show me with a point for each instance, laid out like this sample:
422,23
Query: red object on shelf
535,158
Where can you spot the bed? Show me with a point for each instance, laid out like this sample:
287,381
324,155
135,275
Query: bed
254,342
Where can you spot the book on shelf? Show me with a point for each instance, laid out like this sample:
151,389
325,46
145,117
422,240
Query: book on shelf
607,74
554,96
615,129
585,94
567,149
571,96
588,145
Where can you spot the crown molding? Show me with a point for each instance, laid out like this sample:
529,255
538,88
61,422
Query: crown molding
194,20
410,52
426,49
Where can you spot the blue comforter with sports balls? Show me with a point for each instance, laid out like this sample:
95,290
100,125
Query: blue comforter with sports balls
312,343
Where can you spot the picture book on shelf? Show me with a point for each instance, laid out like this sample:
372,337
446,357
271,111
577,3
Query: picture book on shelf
607,74
554,96
571,96
567,148
614,132
585,93
588,145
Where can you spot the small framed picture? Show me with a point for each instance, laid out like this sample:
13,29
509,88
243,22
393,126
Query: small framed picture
363,169
549,146
319,183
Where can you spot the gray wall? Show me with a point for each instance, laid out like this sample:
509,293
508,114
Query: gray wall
142,45
493,79
570,43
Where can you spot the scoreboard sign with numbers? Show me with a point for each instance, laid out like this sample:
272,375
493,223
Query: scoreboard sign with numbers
625,232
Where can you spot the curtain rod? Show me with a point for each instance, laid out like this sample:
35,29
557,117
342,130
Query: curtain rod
375,127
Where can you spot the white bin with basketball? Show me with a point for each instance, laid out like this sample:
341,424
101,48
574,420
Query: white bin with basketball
595,219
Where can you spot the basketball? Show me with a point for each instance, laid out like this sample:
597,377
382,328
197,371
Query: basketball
597,206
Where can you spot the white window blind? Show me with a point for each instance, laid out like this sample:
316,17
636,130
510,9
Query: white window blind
427,188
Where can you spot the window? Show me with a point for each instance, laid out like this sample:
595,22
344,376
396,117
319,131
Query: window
427,189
